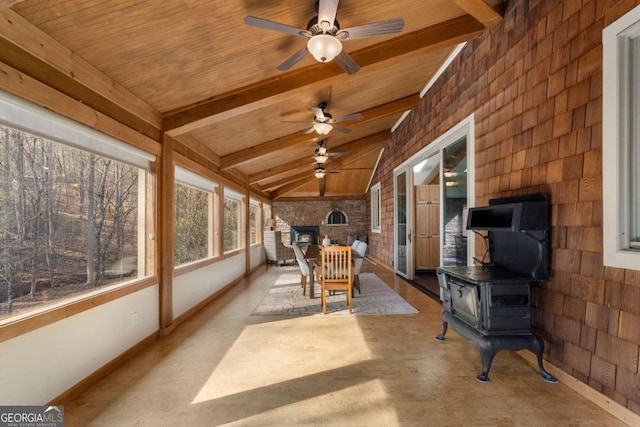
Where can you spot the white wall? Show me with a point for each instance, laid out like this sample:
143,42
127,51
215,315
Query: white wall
44,363
257,256
192,288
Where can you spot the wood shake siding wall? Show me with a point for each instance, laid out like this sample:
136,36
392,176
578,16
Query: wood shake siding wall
534,83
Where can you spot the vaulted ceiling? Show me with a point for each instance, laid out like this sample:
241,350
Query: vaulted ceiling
193,72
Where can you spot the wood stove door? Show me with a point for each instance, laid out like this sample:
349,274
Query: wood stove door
465,301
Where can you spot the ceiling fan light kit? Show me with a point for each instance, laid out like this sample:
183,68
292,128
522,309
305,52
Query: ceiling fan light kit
325,35
322,128
320,158
324,47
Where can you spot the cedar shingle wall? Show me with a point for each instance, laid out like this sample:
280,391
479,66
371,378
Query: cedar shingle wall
535,86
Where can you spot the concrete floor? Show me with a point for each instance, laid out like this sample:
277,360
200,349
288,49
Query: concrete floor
224,367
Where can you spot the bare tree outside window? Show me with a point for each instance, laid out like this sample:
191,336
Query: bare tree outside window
254,216
232,224
68,220
191,224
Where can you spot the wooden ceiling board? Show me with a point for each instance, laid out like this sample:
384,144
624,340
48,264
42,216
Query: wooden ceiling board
347,183
352,95
304,152
214,79
175,53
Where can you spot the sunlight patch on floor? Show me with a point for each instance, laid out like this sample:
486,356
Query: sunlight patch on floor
279,351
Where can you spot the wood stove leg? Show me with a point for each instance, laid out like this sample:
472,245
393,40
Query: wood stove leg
445,326
537,345
487,353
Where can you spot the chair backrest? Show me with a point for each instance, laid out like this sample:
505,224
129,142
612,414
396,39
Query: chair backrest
357,265
304,265
336,265
355,244
361,249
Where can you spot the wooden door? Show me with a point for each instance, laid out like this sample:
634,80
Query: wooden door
427,227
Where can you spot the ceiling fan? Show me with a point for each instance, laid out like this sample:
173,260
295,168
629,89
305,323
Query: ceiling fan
325,35
320,171
324,122
321,154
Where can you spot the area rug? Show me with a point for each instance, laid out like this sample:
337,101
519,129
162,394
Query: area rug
285,298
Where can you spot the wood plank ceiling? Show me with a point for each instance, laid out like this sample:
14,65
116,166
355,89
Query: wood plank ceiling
194,70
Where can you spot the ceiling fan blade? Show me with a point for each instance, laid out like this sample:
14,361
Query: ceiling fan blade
293,59
327,11
275,26
350,117
318,113
296,121
347,63
341,129
390,26
308,131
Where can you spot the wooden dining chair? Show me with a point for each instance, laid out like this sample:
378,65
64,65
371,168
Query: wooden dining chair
337,273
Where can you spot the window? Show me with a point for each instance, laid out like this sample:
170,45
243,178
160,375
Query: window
72,209
336,217
266,216
194,217
233,221
254,222
375,208
621,142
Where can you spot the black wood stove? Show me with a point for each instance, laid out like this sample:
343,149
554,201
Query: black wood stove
490,303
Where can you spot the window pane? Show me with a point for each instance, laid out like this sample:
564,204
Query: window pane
69,221
266,215
253,223
191,224
232,224
375,208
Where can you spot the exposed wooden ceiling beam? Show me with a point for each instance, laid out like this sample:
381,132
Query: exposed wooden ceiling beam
376,142
373,142
31,51
192,149
483,12
372,114
257,95
288,181
249,154
6,4
356,145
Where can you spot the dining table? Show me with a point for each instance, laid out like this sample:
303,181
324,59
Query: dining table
313,255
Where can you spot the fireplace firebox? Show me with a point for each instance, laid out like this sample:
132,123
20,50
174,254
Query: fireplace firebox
490,304
305,235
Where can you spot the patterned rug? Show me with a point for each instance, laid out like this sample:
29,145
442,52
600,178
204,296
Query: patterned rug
285,298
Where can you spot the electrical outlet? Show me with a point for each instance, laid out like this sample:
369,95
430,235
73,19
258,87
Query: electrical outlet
134,319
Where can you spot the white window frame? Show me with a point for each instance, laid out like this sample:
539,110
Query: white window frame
376,209
617,137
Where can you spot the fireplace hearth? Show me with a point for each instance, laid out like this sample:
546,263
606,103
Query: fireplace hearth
490,304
